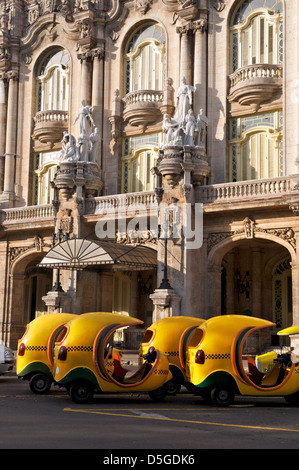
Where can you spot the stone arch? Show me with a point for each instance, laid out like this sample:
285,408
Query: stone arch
262,251
218,251
16,290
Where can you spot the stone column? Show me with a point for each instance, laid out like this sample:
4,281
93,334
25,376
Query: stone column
86,74
3,113
256,289
186,58
230,283
11,134
98,85
98,92
200,65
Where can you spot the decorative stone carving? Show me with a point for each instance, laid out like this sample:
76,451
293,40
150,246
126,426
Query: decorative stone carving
183,148
143,5
184,101
250,229
70,152
84,117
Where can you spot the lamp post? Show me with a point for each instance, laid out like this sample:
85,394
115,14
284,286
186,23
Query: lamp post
57,238
165,282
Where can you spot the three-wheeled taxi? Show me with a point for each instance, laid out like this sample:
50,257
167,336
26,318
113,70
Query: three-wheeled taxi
170,335
35,350
83,365
217,367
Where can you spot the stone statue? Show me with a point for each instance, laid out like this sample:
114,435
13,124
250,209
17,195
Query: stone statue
69,151
95,140
170,128
85,119
184,101
202,122
83,147
190,129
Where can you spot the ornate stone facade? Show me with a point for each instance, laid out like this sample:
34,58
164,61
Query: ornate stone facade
181,120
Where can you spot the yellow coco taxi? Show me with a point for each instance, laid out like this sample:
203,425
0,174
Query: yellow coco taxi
82,366
170,335
217,367
35,350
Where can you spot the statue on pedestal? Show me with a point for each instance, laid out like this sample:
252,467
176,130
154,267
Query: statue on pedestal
184,101
69,151
84,116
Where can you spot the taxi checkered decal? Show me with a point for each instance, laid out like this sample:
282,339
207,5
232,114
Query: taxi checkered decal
80,348
171,353
217,356
160,371
36,348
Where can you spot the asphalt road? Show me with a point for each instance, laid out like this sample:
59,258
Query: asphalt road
122,425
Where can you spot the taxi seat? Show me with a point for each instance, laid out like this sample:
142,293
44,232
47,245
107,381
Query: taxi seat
119,371
255,375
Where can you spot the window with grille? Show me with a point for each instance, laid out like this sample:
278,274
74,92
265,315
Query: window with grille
256,147
53,82
140,156
257,34
144,59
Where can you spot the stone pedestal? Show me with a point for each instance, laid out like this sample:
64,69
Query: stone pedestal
166,303
57,302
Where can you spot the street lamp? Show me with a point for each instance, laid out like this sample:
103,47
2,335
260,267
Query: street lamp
165,282
57,238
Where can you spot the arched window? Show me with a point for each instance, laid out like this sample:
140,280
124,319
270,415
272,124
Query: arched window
256,47
45,164
257,34
52,105
140,156
256,147
53,78
144,59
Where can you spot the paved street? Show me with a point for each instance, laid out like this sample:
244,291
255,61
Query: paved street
128,422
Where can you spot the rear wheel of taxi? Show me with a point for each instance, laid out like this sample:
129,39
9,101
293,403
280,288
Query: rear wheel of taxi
173,387
40,383
292,399
159,394
222,395
81,392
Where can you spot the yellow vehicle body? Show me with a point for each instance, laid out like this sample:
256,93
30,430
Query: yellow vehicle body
217,367
171,335
84,369
35,350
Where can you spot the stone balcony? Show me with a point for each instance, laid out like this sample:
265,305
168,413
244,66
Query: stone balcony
50,125
271,192
27,217
254,84
143,107
268,192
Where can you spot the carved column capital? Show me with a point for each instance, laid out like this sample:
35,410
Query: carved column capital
200,25
12,75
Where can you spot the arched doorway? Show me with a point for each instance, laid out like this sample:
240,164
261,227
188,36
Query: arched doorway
252,276
282,305
37,283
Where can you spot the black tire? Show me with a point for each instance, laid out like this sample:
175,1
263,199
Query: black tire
292,399
159,394
222,395
173,387
81,392
40,384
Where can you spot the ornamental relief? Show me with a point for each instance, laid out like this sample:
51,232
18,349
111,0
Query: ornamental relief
66,8
38,244
249,229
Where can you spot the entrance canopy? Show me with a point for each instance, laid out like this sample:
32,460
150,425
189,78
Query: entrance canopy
80,253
